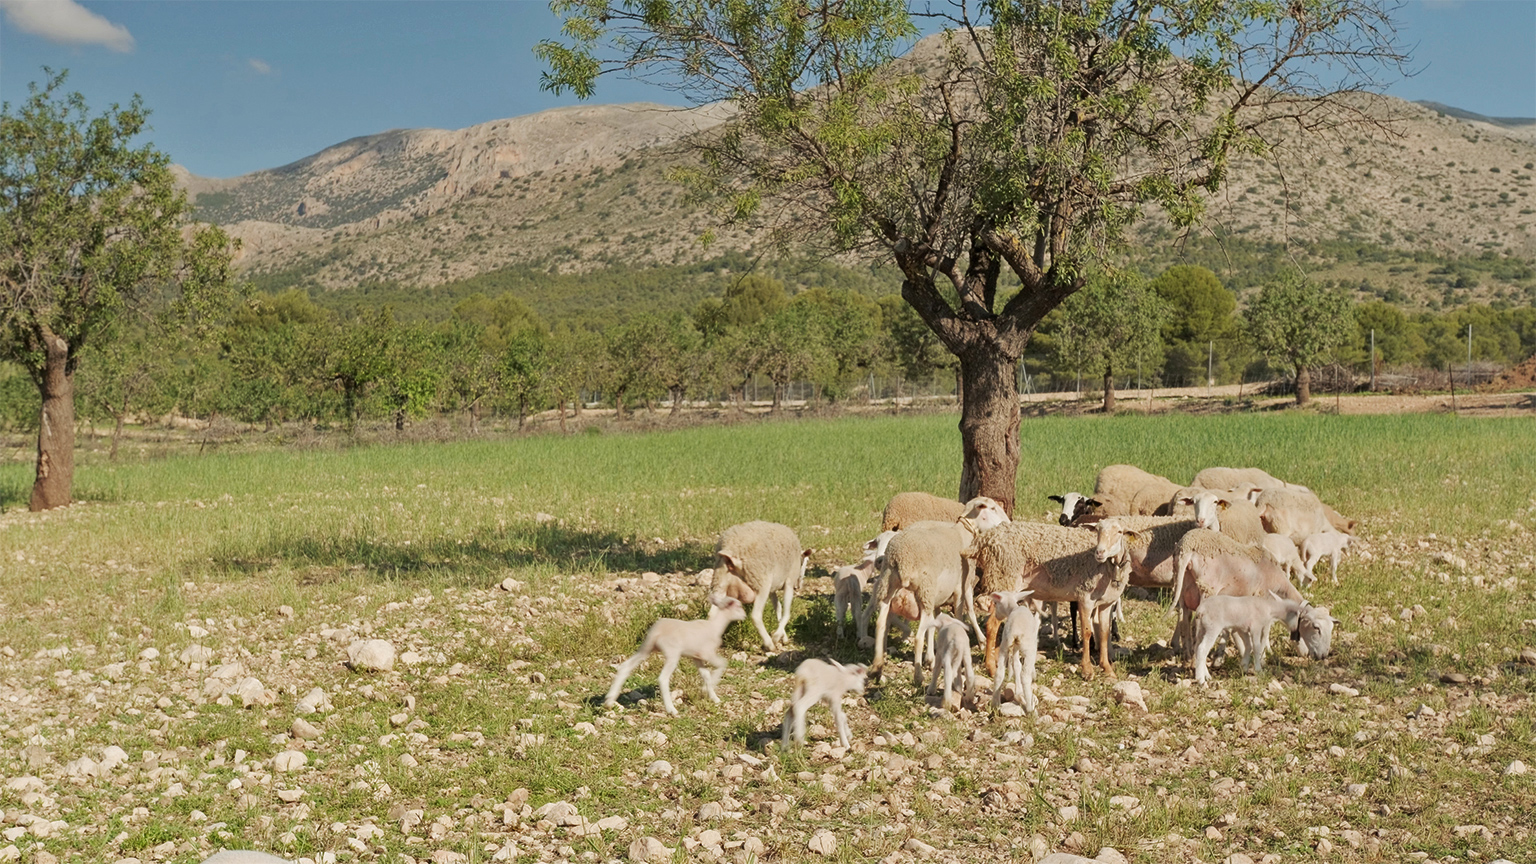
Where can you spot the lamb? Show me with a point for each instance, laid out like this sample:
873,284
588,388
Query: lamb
1324,543
1249,620
908,508
952,655
1284,551
850,583
1020,644
1077,509
1210,564
1291,513
924,565
1134,492
1227,512
1058,565
698,640
756,559
821,681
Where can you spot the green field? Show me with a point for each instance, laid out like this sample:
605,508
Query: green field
410,543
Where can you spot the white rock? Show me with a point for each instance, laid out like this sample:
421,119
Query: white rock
228,671
1109,855
448,856
289,761
150,654
711,810
239,856
823,842
112,756
251,692
195,654
613,823
408,760
196,632
1342,690
304,730
1010,709
411,658
918,847
653,737
649,849
85,766
659,768
371,655
290,795
1067,813
1516,768
315,700
1129,693
10,853
559,812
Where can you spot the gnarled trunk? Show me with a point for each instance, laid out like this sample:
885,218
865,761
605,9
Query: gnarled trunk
1109,388
56,431
989,423
1303,385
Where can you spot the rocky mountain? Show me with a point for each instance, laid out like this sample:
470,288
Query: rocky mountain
579,188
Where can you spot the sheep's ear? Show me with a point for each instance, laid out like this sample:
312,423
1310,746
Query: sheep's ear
1057,498
1223,503
1187,500
1023,594
1132,536
731,562
1093,503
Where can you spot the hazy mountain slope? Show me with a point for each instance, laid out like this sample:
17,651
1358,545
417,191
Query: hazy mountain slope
576,189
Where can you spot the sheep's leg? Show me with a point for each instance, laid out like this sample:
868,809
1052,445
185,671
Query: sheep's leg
1000,681
1208,637
844,737
968,597
666,683
924,626
1335,559
876,588
717,664
1025,678
757,619
1084,667
839,606
991,643
626,669
788,727
970,678
789,599
881,618
1106,620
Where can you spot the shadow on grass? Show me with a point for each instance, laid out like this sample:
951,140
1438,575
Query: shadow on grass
477,555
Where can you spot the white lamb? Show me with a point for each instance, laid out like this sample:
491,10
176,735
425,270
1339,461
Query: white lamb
1020,643
951,658
821,681
698,640
1329,543
850,583
1248,619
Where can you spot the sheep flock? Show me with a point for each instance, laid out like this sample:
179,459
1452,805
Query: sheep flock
1231,551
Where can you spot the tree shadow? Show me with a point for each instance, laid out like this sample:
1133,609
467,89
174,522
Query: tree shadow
327,557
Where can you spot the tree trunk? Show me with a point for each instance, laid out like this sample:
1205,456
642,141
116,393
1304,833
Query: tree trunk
474,417
778,391
618,404
989,424
560,407
399,419
677,401
1109,389
56,429
117,434
1303,385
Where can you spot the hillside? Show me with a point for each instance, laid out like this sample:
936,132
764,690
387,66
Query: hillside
575,190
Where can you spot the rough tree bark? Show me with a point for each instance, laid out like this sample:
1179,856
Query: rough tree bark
1109,388
989,423
1303,384
56,431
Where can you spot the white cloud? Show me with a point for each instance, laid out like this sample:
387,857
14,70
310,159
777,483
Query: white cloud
67,22
259,66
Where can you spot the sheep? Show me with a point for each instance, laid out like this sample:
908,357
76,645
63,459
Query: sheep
908,508
1134,492
821,681
850,583
698,640
924,564
1329,543
756,559
1249,620
951,658
1284,552
1227,512
1210,564
1147,544
1246,479
1020,643
1077,509
1291,513
1058,564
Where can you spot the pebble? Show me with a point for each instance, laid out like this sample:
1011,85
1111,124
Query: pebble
1129,693
823,842
150,654
1109,855
285,611
613,823
918,847
1453,678
710,811
290,796
659,768
1067,813
1528,656
304,730
649,849
195,654
1516,768
251,692
1342,690
371,655
314,700
238,856
1355,790
289,761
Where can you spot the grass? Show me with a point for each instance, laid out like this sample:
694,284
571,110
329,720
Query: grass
408,542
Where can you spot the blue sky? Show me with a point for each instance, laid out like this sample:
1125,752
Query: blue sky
240,85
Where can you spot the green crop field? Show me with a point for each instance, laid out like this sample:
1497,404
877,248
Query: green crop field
512,575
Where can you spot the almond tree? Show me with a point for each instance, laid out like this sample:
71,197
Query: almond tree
1299,323
89,226
1029,136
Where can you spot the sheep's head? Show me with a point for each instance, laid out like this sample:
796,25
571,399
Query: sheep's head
1208,509
724,606
1074,507
875,547
1115,540
857,674
1314,632
1004,602
984,513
